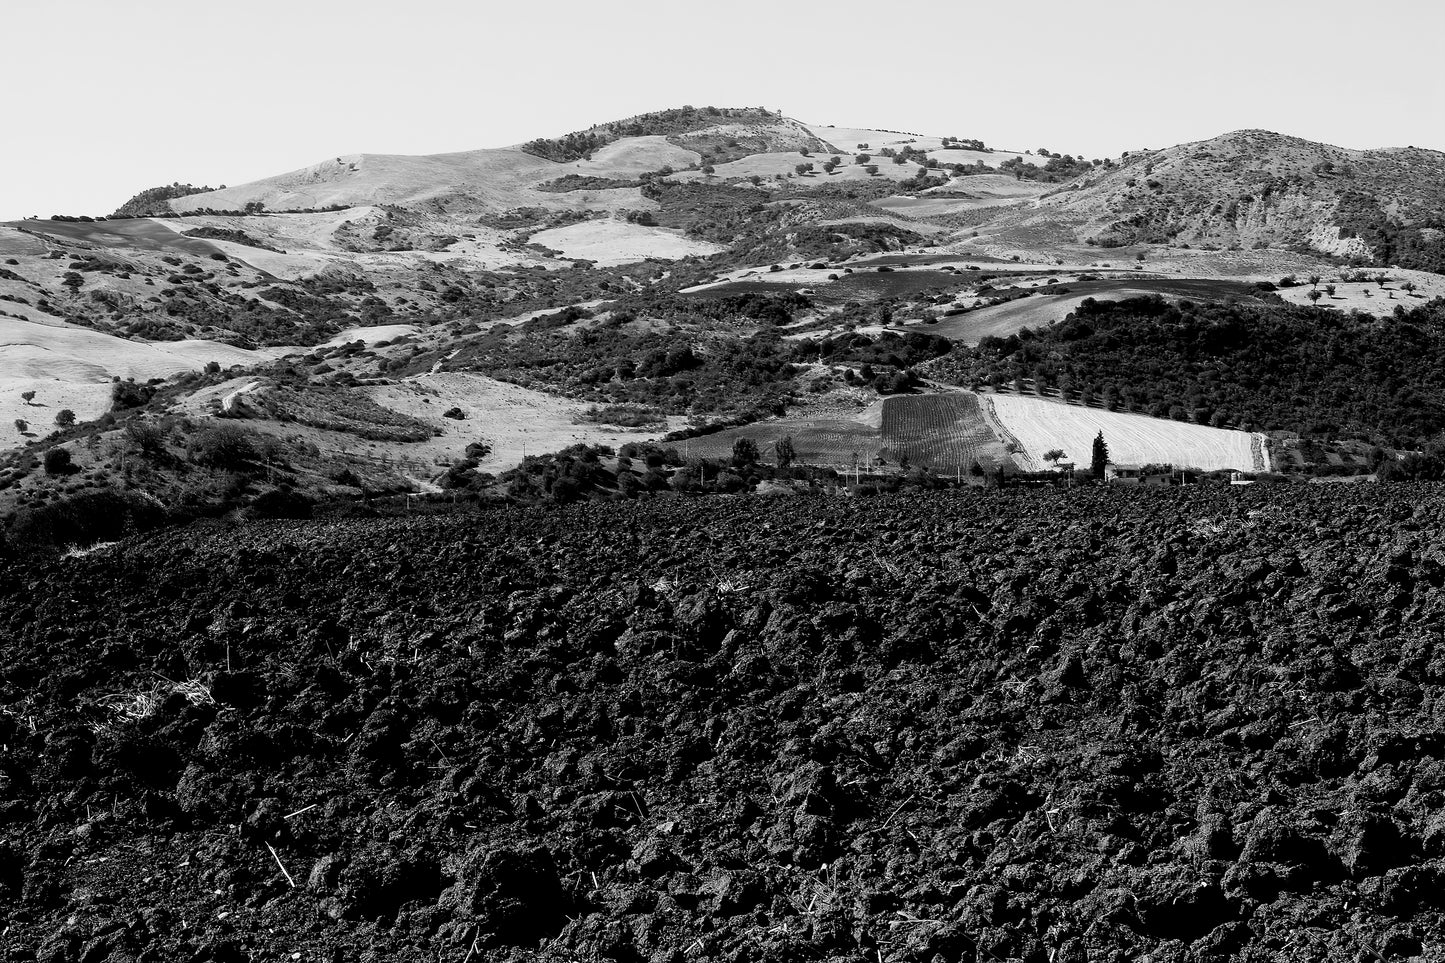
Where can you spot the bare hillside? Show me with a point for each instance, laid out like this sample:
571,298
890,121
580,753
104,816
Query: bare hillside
1254,188
509,177
356,179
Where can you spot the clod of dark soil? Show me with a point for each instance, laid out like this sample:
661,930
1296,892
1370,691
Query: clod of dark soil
1015,726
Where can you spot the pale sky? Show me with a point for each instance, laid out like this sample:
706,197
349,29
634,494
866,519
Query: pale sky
105,97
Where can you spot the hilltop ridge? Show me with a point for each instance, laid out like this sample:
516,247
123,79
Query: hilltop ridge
494,178
1248,188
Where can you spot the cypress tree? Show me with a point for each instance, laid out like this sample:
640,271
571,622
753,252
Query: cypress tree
1101,457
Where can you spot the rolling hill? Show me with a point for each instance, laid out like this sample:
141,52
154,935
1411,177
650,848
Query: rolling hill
385,322
508,177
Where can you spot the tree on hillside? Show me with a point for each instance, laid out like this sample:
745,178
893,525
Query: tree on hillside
64,418
228,447
803,169
21,425
1313,295
27,396
1408,287
1100,457
1314,280
150,438
1054,456
128,394
57,461
1330,290
785,451
745,452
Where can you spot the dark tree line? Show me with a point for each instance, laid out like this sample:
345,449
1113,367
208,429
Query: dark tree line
1276,366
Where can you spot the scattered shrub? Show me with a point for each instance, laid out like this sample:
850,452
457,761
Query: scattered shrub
129,394
57,461
225,446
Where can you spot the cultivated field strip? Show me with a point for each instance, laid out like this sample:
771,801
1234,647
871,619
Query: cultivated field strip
1040,426
940,431
835,442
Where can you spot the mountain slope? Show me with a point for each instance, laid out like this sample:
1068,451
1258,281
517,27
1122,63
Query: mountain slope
503,178
1254,188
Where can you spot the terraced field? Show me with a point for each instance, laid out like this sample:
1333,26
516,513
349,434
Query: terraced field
941,431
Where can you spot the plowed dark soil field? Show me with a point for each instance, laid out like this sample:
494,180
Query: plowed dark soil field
1045,726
